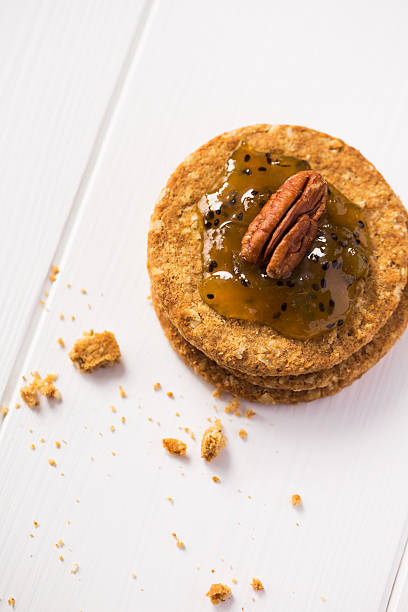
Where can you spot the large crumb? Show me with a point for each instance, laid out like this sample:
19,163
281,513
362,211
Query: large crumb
296,500
257,585
174,446
45,386
219,592
213,441
95,351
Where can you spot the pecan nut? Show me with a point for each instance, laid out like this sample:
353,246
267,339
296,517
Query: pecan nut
283,230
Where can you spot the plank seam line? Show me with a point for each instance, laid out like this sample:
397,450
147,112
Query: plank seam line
392,602
37,314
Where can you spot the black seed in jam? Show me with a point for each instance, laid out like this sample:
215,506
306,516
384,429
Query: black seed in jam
247,171
315,287
361,224
356,235
245,282
208,224
321,306
218,211
323,283
330,325
261,169
254,192
284,306
340,322
343,243
280,283
247,157
357,241
326,265
210,296
212,266
334,236
216,222
314,257
240,216
211,214
331,303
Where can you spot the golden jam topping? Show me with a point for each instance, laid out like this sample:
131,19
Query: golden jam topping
320,291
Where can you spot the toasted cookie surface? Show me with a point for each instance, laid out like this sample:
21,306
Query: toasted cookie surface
366,358
175,258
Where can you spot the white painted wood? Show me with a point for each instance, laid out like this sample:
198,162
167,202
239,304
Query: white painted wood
203,68
60,63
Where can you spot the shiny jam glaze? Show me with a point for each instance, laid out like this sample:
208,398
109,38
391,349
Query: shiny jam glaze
319,294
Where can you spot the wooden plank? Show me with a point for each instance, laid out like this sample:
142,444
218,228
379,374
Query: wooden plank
346,455
60,64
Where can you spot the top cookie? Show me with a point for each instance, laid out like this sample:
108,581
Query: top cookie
175,257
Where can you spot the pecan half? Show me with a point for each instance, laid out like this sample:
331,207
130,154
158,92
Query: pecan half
281,233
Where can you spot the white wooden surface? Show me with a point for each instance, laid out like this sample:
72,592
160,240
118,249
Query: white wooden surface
99,102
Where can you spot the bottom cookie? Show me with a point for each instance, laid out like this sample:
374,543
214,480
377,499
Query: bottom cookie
220,377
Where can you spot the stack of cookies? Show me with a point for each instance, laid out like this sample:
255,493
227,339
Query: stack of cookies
267,288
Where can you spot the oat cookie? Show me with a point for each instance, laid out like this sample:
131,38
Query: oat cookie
175,264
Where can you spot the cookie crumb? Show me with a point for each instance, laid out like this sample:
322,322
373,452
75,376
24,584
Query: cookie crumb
133,575
33,447
213,441
217,392
249,413
122,391
58,444
174,446
83,291
75,568
170,394
157,386
171,500
35,523
113,408
296,500
45,386
257,585
233,407
242,434
123,420
234,580
52,462
180,544
54,274
216,479
4,411
61,342
11,602
218,592
61,558
95,351
59,544
112,428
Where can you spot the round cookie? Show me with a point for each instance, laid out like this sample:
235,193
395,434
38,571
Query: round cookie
175,266
222,378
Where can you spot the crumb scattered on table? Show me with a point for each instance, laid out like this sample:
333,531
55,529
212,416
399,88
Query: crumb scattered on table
44,386
95,350
11,602
52,462
219,592
54,273
75,568
170,394
257,585
174,446
4,410
217,392
233,407
122,391
112,428
296,500
59,544
213,441
157,386
61,342
58,444
249,413
180,544
242,434
216,479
